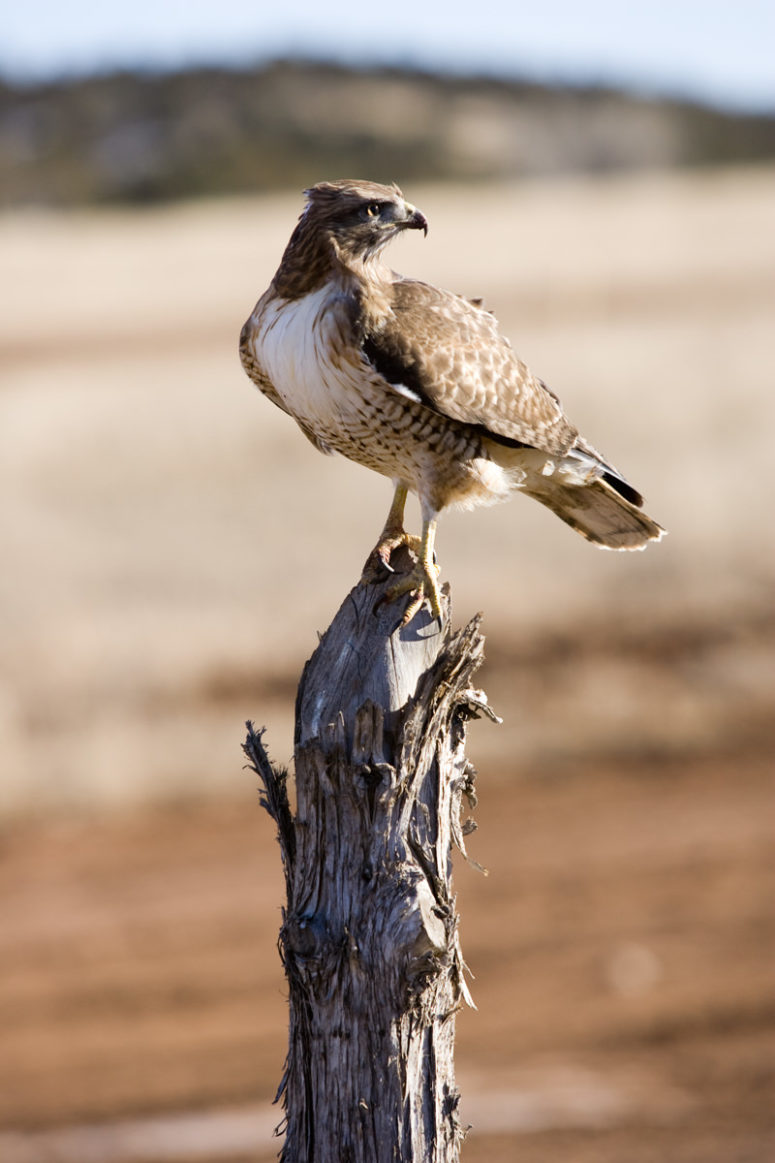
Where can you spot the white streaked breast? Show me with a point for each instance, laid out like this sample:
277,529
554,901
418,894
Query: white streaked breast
297,344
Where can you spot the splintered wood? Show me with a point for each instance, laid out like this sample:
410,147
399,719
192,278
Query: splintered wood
369,939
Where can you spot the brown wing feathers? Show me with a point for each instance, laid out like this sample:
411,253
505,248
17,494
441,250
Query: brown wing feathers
448,354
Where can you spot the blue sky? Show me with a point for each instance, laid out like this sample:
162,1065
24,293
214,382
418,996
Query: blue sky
719,52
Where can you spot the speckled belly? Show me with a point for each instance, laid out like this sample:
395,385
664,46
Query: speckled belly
338,400
396,437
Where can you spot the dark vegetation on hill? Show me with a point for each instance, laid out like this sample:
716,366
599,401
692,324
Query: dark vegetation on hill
149,137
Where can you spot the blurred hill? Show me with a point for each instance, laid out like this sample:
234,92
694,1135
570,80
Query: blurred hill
146,137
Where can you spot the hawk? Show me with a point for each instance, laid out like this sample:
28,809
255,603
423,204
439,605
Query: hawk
418,384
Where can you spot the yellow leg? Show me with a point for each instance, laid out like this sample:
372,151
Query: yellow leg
422,582
391,537
395,518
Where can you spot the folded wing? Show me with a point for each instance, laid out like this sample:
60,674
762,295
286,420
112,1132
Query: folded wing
447,352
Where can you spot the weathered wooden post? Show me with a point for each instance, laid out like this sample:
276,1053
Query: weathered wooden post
369,939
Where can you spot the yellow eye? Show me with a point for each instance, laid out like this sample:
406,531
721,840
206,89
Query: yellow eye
373,209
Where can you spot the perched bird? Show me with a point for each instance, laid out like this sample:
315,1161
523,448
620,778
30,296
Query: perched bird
418,384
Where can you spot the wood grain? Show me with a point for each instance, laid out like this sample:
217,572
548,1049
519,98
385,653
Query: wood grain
370,934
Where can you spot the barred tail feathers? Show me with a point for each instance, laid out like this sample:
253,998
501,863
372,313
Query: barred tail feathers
586,492
597,511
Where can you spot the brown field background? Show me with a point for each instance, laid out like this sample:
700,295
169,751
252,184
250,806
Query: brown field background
171,545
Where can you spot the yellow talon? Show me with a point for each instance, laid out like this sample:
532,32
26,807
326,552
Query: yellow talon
421,581
422,584
379,558
393,536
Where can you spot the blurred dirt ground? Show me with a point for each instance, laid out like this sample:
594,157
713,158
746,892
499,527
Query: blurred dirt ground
171,545
621,948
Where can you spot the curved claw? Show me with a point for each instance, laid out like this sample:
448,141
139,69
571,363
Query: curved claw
379,558
421,584
421,581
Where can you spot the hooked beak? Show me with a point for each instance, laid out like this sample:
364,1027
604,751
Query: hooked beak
415,219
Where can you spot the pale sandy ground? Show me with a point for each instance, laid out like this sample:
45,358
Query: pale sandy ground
171,543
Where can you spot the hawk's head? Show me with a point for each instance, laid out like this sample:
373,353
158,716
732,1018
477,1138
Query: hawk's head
360,216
